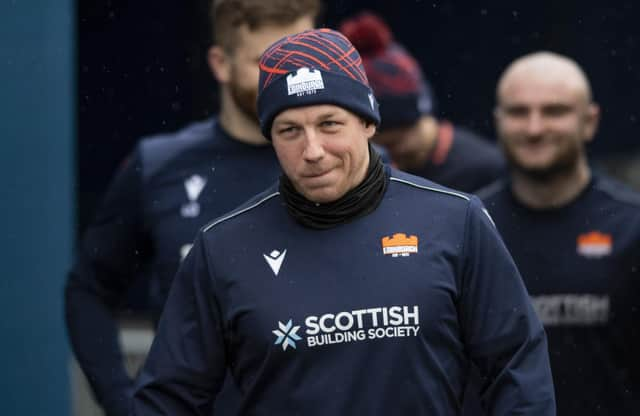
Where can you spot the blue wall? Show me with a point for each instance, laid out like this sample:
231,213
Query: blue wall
36,205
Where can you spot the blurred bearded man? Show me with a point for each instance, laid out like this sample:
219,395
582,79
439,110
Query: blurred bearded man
169,187
574,234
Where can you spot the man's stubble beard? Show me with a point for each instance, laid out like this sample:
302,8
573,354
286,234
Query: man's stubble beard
563,164
245,99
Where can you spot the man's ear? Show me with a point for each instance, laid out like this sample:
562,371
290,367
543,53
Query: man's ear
370,127
592,120
219,63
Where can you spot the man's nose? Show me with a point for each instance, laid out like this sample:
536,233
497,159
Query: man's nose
535,124
314,149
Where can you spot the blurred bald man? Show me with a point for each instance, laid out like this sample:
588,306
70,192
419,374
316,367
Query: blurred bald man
574,235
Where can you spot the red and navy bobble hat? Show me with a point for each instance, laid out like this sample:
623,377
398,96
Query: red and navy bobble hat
395,76
313,67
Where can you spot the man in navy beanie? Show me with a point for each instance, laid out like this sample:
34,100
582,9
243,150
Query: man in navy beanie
348,287
417,142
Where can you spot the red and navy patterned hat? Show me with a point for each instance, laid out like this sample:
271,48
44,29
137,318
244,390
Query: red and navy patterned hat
395,76
313,67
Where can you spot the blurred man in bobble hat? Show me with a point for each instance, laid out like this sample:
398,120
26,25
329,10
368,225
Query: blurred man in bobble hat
416,140
332,293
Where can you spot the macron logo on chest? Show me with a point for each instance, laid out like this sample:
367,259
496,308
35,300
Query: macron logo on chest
274,260
193,186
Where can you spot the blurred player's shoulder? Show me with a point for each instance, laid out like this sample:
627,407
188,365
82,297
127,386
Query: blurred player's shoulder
158,150
417,183
616,191
482,151
492,190
251,206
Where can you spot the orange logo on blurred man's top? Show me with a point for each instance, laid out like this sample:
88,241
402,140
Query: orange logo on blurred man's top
400,245
594,244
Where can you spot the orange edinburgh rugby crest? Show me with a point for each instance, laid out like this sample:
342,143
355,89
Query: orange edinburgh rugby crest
594,244
400,245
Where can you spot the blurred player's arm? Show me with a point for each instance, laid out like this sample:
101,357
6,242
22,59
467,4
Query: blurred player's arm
504,337
113,247
186,365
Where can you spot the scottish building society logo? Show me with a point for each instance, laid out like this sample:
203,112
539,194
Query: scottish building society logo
304,82
287,335
352,326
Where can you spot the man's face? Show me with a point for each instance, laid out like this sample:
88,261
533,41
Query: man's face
322,149
245,58
543,123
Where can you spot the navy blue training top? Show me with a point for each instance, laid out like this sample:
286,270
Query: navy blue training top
169,187
581,265
379,316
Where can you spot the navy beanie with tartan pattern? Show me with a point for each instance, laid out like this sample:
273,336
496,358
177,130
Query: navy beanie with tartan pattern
313,67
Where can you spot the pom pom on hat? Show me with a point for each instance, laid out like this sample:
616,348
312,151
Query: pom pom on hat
394,75
368,33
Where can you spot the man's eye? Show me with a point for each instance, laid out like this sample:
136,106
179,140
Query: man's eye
517,111
287,130
329,123
557,110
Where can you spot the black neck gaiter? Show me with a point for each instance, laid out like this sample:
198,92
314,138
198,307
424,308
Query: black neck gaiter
356,203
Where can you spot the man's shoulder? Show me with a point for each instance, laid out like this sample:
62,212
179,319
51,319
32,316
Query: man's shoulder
407,183
158,150
493,191
464,133
254,208
480,146
616,192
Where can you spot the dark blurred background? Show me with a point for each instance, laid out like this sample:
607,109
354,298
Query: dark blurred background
142,69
